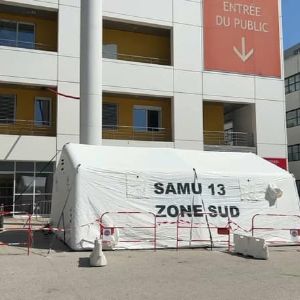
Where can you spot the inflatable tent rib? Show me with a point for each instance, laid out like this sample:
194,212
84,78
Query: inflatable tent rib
200,190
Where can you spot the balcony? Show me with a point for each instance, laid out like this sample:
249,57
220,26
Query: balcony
153,134
138,43
28,28
229,141
113,54
229,127
27,127
240,139
27,45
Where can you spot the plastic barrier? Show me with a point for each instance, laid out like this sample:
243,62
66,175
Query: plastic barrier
254,228
250,246
103,227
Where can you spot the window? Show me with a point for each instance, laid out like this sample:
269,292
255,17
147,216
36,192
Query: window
42,112
293,118
110,51
27,186
7,109
8,33
17,34
26,35
294,152
146,118
292,83
109,115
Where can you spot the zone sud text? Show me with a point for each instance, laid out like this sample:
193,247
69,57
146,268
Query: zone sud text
196,210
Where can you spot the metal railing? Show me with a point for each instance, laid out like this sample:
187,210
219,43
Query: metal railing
38,208
228,138
27,127
136,58
136,133
27,45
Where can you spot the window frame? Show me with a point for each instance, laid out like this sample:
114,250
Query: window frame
296,118
292,81
15,109
292,154
17,23
110,127
147,108
34,34
50,111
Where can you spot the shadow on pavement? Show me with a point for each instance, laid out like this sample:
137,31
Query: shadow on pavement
84,262
41,240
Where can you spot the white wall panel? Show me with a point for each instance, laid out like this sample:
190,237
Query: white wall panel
270,89
154,9
187,82
70,2
35,148
68,109
48,4
68,69
272,151
229,85
187,12
188,117
134,75
69,31
187,48
270,122
34,64
63,139
191,145
130,143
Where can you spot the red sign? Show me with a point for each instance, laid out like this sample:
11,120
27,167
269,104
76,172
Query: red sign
242,36
279,162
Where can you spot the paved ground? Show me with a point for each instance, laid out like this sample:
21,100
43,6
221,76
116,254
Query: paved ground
166,274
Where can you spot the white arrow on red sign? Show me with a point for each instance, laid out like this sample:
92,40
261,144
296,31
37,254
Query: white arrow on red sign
242,54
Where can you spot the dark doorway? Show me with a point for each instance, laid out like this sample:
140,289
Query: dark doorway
7,191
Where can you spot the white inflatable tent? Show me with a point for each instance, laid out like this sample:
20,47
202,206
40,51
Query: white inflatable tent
198,190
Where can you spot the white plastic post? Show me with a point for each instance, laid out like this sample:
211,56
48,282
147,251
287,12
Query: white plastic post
91,72
97,258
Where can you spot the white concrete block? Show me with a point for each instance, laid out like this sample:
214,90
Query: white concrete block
250,246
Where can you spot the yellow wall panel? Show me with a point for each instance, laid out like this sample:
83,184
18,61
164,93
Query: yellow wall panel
213,116
138,44
125,112
45,30
25,100
213,121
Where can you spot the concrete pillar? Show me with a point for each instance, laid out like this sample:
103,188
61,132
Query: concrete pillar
91,72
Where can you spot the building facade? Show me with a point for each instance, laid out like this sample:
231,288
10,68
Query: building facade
292,91
168,81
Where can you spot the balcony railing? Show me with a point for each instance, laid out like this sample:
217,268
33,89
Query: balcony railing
137,133
135,58
228,138
27,127
27,45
